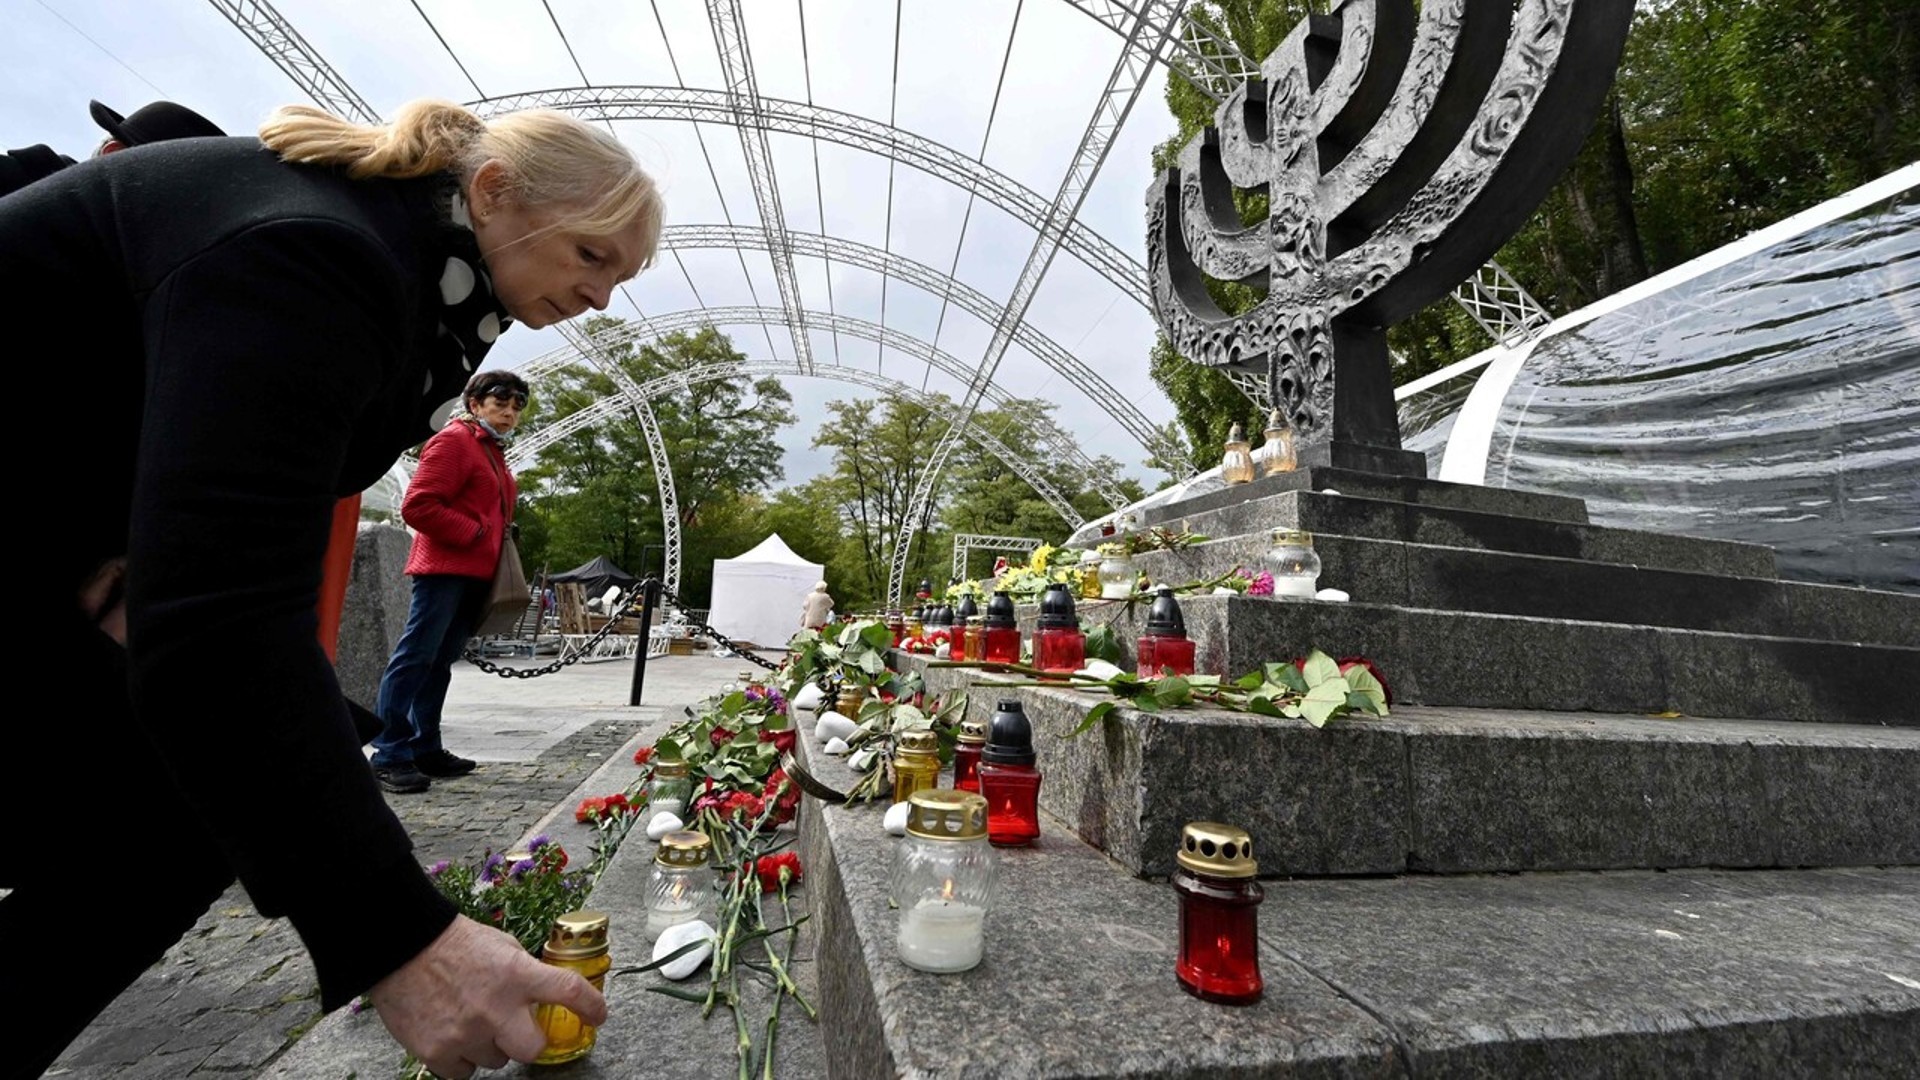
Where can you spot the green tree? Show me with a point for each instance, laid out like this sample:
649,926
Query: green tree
594,490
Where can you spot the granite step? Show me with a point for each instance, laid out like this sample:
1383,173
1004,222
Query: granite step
1778,973
1495,661
1344,514
1403,489
1448,790
1418,575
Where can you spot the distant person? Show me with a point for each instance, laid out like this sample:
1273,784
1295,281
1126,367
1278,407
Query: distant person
817,610
460,505
270,323
158,122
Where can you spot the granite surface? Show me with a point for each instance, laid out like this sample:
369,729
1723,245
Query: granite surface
1693,972
1453,790
1344,513
375,610
1436,493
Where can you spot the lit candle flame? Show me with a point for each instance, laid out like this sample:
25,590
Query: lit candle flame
1224,944
946,890
679,889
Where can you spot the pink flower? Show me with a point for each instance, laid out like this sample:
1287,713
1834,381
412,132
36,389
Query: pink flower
1260,585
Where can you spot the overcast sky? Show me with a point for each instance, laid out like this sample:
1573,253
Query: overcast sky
57,54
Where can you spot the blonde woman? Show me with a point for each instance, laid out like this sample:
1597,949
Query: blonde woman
257,328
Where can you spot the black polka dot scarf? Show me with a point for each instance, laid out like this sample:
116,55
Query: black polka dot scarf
471,317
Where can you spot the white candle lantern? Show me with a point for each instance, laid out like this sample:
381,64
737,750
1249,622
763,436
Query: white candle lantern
1293,564
943,881
680,889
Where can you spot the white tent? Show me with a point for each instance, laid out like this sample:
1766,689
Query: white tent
757,596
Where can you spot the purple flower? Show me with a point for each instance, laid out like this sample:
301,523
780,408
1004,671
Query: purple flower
359,1005
539,842
438,868
571,883
521,869
490,870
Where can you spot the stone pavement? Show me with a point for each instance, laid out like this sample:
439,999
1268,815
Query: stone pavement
238,990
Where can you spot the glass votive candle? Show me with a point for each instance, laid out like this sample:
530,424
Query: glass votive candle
1117,575
943,881
966,755
1165,645
916,763
577,942
1009,779
680,889
1000,642
1219,957
1293,564
1058,645
669,788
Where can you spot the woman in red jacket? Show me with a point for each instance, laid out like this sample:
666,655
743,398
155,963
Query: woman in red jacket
460,505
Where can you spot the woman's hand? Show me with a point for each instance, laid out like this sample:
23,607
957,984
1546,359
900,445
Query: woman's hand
467,1000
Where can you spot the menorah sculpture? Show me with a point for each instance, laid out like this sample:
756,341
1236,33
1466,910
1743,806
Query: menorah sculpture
1398,152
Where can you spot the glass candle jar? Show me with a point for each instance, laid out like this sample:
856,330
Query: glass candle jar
966,755
1000,642
1090,574
1219,958
1164,647
849,702
1058,645
1117,575
1275,455
669,789
916,763
680,888
943,881
1294,566
1236,464
1008,778
974,645
577,942
897,624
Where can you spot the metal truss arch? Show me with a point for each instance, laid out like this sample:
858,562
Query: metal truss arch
963,543
1149,30
1050,442
527,449
967,298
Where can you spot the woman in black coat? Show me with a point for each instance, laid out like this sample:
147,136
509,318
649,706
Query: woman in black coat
244,331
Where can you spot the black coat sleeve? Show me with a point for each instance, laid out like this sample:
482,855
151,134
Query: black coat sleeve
262,353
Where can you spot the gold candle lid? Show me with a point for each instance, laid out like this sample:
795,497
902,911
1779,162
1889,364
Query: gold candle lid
1276,422
920,742
686,848
669,767
1294,537
577,934
973,731
946,814
1208,847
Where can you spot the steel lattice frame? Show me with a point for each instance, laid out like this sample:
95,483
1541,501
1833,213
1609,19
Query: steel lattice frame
743,98
632,396
1201,56
964,543
967,298
1050,442
607,409
1150,31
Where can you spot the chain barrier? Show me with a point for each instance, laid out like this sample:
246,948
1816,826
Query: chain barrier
629,606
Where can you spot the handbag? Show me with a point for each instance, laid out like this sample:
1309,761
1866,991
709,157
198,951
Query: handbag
509,596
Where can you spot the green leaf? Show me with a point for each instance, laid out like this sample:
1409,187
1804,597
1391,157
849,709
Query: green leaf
676,992
1204,682
1094,716
1253,680
1324,702
1360,702
1172,691
1262,704
1320,668
1286,675
872,663
669,958
1104,644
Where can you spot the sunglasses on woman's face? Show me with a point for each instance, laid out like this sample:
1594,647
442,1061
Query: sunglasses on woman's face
518,397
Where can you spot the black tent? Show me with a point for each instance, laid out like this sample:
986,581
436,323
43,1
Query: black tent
595,576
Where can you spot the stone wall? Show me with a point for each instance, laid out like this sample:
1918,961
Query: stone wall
376,609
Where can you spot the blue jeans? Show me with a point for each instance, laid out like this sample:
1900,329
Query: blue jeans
442,617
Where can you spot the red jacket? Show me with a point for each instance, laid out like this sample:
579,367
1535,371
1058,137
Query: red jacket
455,503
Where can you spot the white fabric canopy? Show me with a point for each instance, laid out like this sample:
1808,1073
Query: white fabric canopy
757,596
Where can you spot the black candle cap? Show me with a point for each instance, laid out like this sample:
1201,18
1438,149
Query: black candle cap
1009,736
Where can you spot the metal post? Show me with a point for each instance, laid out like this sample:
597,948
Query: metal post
649,596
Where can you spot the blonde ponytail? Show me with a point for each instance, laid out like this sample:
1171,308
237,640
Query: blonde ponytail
552,160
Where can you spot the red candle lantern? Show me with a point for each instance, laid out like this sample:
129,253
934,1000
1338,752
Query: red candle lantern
966,755
1009,780
1001,640
1058,645
1165,643
1219,944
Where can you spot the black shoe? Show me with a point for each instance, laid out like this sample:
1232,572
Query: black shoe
443,764
401,779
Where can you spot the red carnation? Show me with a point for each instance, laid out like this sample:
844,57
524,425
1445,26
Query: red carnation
786,794
590,809
770,868
782,740
643,755
720,737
